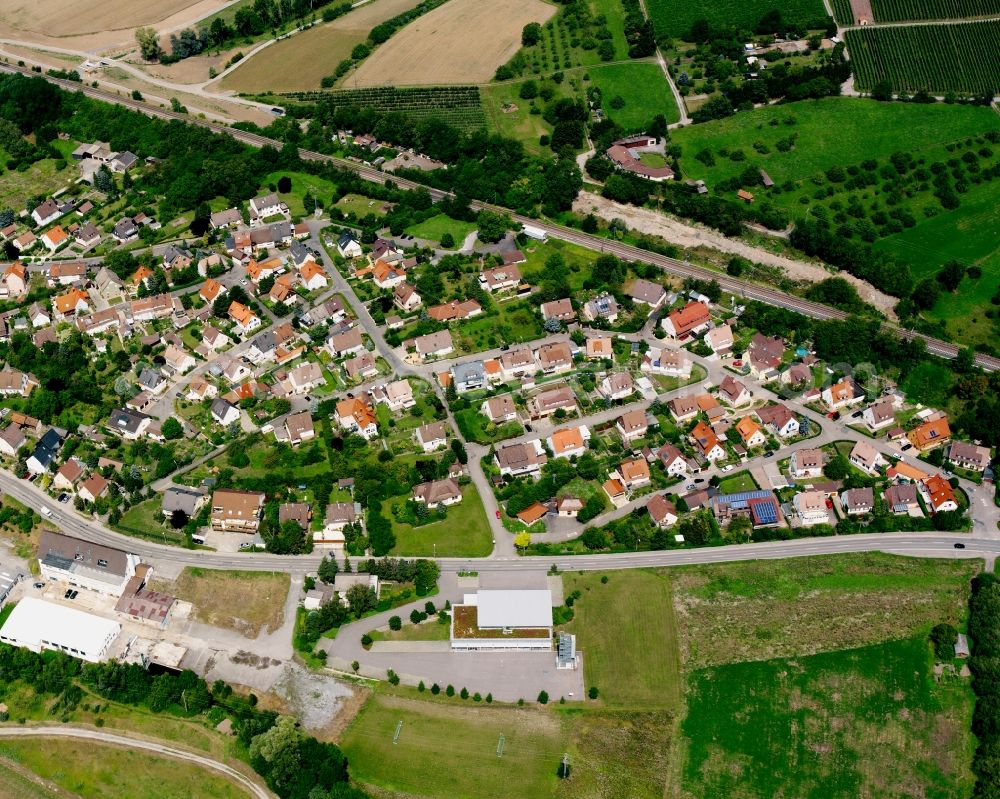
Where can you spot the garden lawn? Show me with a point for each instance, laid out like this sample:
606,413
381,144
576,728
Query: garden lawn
434,228
359,205
464,533
741,481
643,88
94,771
868,722
834,131
145,520
628,633
302,183
757,610
431,630
514,322
476,427
449,749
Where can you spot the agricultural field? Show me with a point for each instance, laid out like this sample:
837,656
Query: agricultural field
834,131
89,770
906,10
643,88
247,602
674,18
446,750
463,41
464,533
861,722
460,106
49,17
964,59
300,62
759,610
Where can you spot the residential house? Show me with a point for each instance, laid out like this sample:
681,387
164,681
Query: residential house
67,474
178,360
810,507
866,457
292,428
688,320
707,442
468,376
127,423
406,298
362,367
438,492
720,340
902,498
229,218
46,213
617,386
857,501
432,436
646,292
332,310
683,408
261,270
151,380
780,420
764,355
108,284
210,290
632,425
520,459
518,363
397,395
236,511
199,390
969,456
245,319
600,348
930,434
214,338
298,512
93,488
880,414
569,506
338,515
797,374
547,402
313,276
73,302
122,162
500,278
674,462
263,207
305,378
283,291
434,345
15,281
347,343
25,241
555,357
15,382
175,257
38,316
662,511
125,230
666,361
569,442
348,246
603,307
46,450
616,491
12,438
733,391
387,276
634,473
355,415
558,309
751,433
455,311
841,395
499,409
938,494
224,412
87,235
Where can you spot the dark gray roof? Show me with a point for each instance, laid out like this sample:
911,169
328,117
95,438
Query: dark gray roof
184,499
126,420
64,552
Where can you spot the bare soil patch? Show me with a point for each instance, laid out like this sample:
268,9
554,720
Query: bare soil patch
463,41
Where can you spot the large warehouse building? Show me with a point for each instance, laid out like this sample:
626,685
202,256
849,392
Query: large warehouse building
503,619
38,625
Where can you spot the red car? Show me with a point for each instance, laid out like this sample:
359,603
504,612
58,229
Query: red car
498,514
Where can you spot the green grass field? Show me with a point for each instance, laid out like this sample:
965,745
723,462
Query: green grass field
643,88
516,321
673,18
834,131
864,722
94,771
741,481
464,533
759,610
476,427
449,749
429,631
627,631
14,785
40,178
435,227
302,183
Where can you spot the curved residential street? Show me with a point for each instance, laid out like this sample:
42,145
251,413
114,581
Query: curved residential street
252,787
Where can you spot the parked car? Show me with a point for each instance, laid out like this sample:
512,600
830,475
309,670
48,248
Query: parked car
46,511
690,487
64,497
769,453
498,513
856,414
905,447
728,467
959,545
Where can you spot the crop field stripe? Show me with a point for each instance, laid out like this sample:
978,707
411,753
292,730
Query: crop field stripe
461,106
673,18
963,58
906,10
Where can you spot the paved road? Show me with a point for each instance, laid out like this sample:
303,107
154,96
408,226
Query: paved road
670,265
131,742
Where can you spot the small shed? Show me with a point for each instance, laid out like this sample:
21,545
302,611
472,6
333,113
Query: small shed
962,646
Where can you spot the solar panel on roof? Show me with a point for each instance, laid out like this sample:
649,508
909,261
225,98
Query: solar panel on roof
764,511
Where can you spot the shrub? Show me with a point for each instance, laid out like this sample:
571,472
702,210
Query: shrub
392,677
450,690
395,623
489,699
543,698
464,693
366,641
435,689
593,693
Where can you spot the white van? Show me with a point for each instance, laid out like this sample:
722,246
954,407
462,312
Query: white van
46,512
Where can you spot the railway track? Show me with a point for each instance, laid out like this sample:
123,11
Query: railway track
628,252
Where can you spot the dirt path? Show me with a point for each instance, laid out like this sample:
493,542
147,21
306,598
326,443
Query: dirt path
690,235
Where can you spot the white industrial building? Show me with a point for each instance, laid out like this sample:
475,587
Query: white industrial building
38,625
503,620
